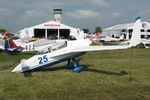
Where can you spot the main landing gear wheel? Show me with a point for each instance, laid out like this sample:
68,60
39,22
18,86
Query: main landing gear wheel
74,64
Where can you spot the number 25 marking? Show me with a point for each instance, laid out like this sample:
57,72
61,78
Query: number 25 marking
43,59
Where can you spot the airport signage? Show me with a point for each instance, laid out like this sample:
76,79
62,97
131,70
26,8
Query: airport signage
52,25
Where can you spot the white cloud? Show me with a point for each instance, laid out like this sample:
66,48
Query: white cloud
32,13
4,12
30,17
145,13
115,14
99,2
84,14
112,15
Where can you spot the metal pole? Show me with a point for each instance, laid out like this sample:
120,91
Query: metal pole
131,78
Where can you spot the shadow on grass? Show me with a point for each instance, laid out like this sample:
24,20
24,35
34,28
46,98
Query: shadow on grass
106,72
55,68
6,67
30,53
27,74
85,68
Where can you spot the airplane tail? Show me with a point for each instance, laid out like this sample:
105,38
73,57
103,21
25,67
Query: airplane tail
136,34
10,45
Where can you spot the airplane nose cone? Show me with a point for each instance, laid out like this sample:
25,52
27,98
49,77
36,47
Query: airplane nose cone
17,68
21,68
14,70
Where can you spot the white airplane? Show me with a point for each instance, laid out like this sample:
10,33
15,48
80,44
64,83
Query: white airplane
10,45
35,45
67,51
111,39
146,43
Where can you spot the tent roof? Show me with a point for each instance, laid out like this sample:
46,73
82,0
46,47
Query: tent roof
51,24
127,26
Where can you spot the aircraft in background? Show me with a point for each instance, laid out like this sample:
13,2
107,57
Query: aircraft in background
67,51
106,39
10,45
146,43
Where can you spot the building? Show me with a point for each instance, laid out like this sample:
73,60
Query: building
126,30
51,30
57,15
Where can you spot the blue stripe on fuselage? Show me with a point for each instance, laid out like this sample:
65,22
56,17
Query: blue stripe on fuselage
58,61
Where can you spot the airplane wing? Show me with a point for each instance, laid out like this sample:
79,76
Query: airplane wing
12,49
135,40
99,48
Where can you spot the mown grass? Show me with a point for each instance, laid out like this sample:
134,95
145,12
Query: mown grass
106,77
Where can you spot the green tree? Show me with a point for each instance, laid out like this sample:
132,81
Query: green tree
2,30
98,29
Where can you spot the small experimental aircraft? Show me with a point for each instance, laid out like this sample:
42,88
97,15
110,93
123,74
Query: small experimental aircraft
36,45
106,39
67,51
10,45
146,43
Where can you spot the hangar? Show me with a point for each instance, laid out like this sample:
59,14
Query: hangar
51,30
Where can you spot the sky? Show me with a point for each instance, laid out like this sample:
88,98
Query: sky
18,14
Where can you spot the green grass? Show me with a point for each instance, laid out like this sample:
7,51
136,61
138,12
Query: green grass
105,78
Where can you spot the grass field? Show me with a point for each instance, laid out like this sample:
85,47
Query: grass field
106,77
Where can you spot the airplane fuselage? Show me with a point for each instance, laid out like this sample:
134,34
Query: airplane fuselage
43,61
50,56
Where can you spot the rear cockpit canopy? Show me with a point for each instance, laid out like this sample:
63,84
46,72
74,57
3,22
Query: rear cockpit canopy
54,47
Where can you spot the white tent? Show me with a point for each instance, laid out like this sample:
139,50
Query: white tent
127,29
51,30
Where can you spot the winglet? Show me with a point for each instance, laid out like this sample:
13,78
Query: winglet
137,18
136,34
